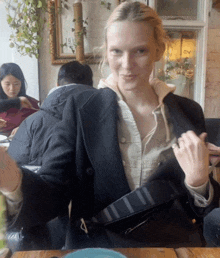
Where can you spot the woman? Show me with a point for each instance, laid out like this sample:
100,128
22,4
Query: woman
15,105
115,139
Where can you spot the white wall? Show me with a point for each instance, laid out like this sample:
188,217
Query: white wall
28,65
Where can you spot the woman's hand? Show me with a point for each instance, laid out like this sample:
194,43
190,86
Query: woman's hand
10,174
2,123
14,131
193,157
25,103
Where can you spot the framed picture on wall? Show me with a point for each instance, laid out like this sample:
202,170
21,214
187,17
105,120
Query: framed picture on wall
63,18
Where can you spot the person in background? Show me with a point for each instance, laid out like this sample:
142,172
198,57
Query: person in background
74,72
30,143
31,140
111,141
15,105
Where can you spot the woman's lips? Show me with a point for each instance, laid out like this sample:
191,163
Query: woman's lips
129,77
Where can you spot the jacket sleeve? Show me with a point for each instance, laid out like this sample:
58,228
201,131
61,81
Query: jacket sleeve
6,104
19,148
203,211
47,193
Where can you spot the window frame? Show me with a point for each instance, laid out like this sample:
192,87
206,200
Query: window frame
201,26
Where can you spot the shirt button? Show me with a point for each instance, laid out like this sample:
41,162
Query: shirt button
123,140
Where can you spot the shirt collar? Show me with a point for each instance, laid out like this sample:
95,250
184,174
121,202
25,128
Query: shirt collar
160,87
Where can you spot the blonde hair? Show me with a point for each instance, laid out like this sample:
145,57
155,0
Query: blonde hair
136,12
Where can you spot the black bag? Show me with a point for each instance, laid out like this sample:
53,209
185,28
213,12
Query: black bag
138,220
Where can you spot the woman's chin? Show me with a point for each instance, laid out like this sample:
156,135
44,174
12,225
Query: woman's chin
12,96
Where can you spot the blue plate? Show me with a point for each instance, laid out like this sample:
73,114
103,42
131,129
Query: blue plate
95,253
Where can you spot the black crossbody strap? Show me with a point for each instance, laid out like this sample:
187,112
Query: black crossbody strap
143,198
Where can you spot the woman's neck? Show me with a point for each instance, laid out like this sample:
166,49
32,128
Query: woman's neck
141,98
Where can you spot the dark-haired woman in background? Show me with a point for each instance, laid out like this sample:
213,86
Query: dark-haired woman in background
15,105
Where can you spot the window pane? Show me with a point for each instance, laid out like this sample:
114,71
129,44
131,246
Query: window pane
178,63
178,9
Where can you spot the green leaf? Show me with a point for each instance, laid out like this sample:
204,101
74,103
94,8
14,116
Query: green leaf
11,45
9,19
39,5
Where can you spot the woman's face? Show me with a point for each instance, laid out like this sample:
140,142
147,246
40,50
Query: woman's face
131,53
11,86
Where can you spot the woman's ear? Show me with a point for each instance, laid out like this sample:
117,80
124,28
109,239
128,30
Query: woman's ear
159,51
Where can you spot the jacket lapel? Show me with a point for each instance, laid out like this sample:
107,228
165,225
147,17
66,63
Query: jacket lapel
99,123
185,115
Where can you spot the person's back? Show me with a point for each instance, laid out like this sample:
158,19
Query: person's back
30,141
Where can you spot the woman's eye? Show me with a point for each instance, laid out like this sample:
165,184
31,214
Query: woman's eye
116,51
141,51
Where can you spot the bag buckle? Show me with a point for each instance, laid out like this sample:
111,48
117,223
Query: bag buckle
83,226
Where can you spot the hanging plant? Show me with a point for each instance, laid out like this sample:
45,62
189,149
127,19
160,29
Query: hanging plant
26,18
106,4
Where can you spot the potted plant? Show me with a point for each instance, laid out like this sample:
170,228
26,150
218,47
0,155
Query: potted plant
26,18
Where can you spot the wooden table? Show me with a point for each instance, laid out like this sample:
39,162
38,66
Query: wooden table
198,252
134,253
128,252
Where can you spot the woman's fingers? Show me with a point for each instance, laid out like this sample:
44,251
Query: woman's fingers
203,136
192,154
14,131
3,123
214,153
25,103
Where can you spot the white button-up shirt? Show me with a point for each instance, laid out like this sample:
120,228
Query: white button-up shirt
141,157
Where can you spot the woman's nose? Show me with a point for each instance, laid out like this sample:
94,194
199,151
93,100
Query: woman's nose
11,87
127,61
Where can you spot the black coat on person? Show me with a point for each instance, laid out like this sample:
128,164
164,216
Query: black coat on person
83,163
